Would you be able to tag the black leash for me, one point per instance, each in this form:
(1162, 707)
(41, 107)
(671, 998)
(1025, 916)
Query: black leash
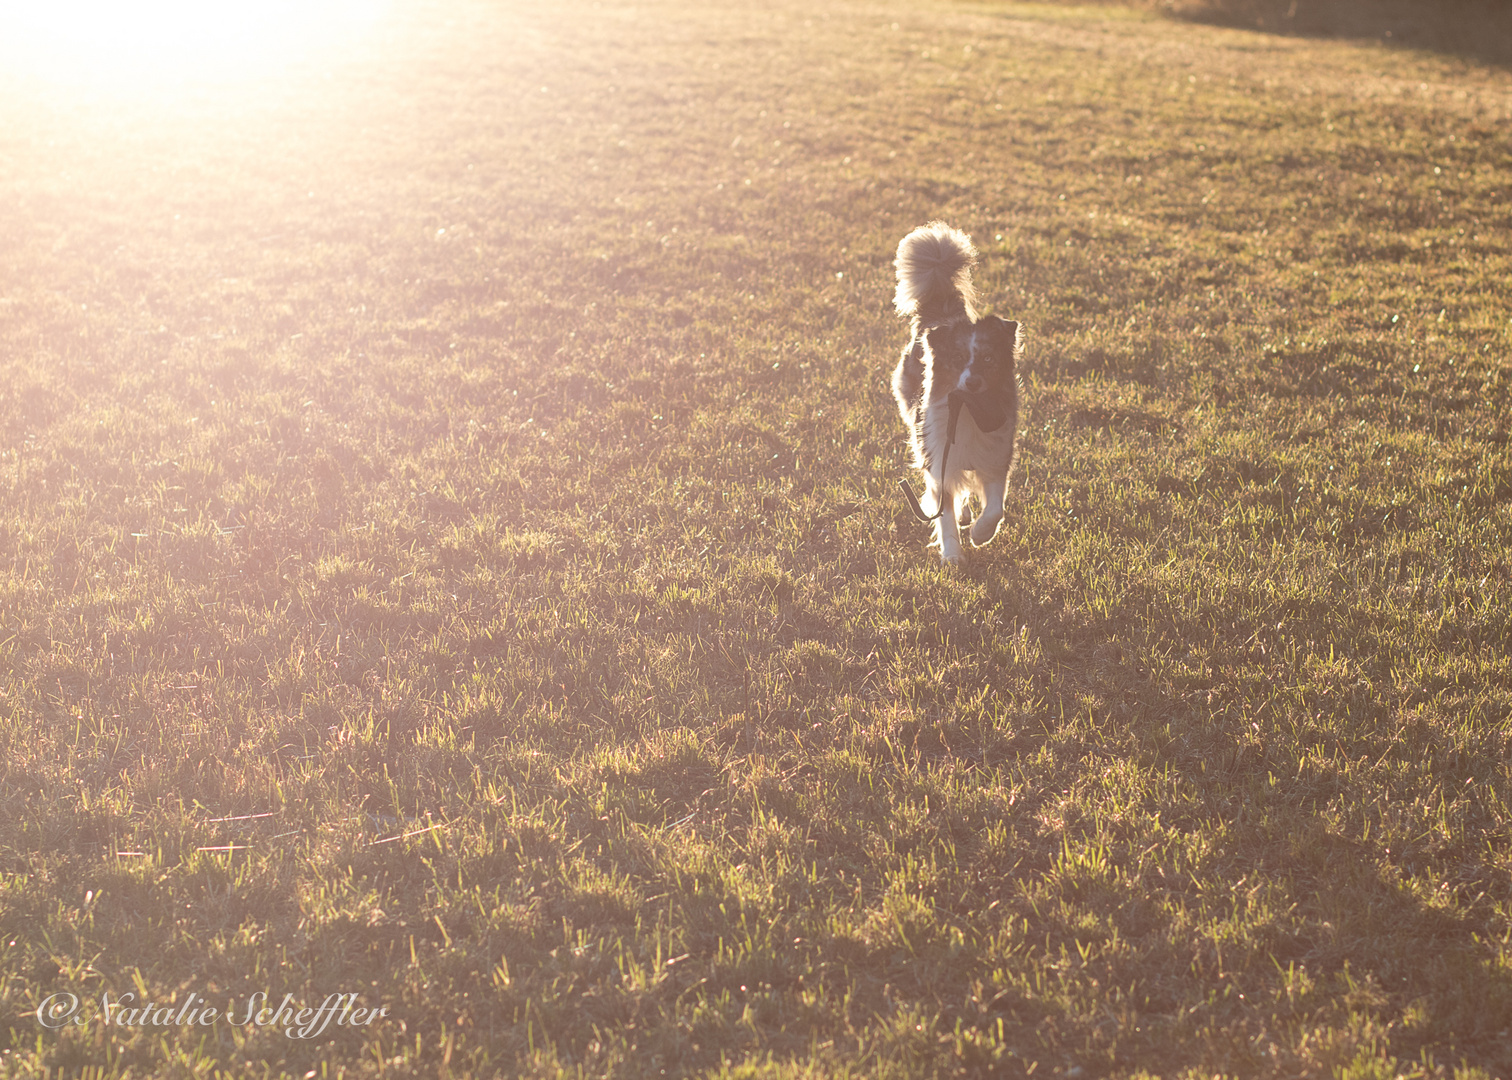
(956, 399)
(987, 419)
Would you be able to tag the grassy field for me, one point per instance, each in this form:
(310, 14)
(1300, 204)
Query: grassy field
(449, 554)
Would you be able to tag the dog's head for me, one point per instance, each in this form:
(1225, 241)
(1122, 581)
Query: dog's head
(977, 357)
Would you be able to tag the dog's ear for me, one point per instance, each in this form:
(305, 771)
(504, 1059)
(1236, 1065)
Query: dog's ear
(1006, 336)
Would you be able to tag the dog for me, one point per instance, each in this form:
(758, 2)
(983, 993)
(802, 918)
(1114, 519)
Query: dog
(956, 386)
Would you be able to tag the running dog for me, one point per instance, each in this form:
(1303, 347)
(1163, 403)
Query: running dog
(956, 386)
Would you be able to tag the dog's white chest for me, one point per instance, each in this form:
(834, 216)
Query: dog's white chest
(973, 450)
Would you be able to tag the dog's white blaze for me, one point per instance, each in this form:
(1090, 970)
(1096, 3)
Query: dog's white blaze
(970, 363)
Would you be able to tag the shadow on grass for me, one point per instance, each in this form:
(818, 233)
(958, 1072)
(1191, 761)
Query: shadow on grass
(1376, 927)
(1474, 29)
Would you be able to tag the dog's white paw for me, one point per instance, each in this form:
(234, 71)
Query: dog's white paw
(985, 528)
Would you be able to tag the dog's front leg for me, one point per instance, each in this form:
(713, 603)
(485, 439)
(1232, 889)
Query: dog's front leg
(986, 526)
(948, 531)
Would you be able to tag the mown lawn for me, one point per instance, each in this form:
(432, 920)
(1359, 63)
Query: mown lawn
(449, 553)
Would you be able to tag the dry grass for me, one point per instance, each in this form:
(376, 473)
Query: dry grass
(449, 554)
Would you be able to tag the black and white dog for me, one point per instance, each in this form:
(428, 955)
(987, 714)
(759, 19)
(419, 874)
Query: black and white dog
(956, 386)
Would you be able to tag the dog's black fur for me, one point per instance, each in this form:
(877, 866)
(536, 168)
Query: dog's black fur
(955, 362)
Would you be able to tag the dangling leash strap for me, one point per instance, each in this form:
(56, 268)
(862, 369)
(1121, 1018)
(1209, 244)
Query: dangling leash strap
(955, 400)
(987, 420)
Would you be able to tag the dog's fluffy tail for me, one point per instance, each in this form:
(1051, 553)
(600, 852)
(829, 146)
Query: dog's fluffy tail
(934, 273)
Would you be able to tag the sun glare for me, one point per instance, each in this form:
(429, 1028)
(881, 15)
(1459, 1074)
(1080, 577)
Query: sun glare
(153, 45)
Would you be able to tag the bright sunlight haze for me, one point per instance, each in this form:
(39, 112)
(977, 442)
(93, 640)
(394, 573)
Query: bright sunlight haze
(168, 45)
